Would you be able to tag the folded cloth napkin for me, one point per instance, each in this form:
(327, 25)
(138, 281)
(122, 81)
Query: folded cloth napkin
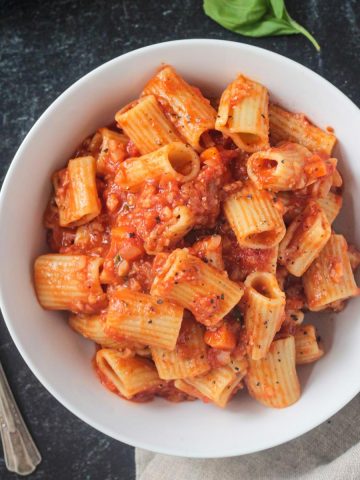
(329, 452)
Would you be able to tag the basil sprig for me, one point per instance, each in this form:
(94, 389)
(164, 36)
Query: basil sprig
(255, 18)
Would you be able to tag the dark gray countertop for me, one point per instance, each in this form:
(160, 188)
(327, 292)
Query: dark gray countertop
(44, 47)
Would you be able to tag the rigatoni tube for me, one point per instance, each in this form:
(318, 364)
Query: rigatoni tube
(191, 283)
(264, 313)
(69, 282)
(180, 223)
(307, 347)
(254, 217)
(305, 237)
(112, 150)
(331, 205)
(146, 124)
(126, 376)
(288, 167)
(243, 114)
(143, 318)
(92, 328)
(218, 385)
(177, 160)
(273, 380)
(188, 359)
(295, 127)
(76, 193)
(187, 108)
(330, 277)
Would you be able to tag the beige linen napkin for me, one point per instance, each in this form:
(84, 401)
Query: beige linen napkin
(329, 452)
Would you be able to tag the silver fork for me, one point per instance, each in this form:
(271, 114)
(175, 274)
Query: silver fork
(20, 452)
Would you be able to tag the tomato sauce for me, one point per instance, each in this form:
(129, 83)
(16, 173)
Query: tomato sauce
(239, 261)
(186, 347)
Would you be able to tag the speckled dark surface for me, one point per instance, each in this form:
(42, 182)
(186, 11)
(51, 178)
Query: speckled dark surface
(44, 47)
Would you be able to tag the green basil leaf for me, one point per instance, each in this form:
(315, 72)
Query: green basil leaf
(300, 29)
(234, 15)
(255, 18)
(278, 7)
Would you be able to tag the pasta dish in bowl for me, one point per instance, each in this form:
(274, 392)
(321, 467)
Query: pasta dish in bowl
(192, 239)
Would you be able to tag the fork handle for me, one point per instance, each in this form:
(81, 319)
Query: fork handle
(20, 452)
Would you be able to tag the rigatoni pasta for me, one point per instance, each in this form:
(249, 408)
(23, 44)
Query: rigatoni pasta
(146, 125)
(184, 221)
(289, 166)
(188, 109)
(76, 192)
(188, 359)
(307, 347)
(92, 327)
(330, 277)
(112, 151)
(331, 205)
(218, 385)
(126, 376)
(189, 238)
(305, 237)
(143, 318)
(295, 127)
(265, 306)
(177, 160)
(190, 282)
(69, 282)
(254, 217)
(273, 380)
(243, 114)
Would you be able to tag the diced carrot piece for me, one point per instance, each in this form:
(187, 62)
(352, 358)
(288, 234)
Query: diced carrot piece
(223, 338)
(211, 153)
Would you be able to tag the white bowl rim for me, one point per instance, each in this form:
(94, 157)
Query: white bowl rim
(6, 185)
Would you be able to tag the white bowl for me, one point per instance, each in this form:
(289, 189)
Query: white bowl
(61, 359)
